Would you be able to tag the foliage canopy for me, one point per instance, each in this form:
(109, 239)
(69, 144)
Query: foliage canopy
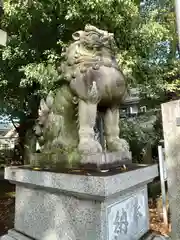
(145, 33)
(38, 29)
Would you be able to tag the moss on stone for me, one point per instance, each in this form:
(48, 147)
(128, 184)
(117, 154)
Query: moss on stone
(56, 159)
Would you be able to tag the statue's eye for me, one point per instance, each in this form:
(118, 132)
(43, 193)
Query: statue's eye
(95, 37)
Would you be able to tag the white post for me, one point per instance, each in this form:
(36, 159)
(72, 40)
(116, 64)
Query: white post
(163, 179)
(177, 5)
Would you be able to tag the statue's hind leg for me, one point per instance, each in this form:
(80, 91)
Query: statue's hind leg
(112, 130)
(87, 118)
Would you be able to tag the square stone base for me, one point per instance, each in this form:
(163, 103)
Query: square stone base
(14, 235)
(56, 206)
(154, 236)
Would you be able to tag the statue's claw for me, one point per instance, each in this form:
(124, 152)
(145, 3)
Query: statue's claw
(117, 144)
(89, 146)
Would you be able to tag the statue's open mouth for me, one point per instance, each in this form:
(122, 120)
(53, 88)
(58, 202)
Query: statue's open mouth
(37, 130)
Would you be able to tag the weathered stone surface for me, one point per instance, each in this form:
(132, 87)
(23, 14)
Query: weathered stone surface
(170, 115)
(128, 218)
(62, 206)
(14, 235)
(91, 82)
(102, 160)
(6, 237)
(99, 187)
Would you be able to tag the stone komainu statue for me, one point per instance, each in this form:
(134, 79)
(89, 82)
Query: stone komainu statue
(92, 80)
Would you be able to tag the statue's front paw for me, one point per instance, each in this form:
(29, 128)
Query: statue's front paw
(89, 146)
(117, 144)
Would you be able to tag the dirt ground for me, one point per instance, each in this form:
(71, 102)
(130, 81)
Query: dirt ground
(156, 217)
(7, 201)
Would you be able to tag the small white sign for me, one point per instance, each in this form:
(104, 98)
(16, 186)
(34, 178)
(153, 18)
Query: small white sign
(162, 163)
(3, 38)
(128, 219)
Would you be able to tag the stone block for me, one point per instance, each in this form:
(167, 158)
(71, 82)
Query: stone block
(171, 129)
(53, 206)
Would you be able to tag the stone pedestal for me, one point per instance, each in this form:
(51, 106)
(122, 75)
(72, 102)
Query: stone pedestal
(56, 206)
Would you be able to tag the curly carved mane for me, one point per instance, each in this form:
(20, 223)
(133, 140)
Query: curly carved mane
(91, 48)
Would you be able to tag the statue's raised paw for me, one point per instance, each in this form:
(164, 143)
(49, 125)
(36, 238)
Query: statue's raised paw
(89, 146)
(117, 144)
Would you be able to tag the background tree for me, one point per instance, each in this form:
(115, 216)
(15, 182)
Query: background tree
(39, 29)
